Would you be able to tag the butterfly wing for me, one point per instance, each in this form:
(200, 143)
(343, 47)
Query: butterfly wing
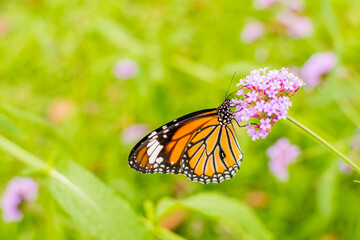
(213, 154)
(163, 149)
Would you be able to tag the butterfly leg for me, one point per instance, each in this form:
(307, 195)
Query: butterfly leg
(245, 124)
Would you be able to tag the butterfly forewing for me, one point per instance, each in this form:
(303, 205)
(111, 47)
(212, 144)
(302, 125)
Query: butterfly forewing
(162, 149)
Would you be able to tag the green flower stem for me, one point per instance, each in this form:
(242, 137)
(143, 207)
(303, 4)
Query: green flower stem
(324, 143)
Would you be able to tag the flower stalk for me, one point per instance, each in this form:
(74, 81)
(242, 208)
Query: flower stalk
(324, 143)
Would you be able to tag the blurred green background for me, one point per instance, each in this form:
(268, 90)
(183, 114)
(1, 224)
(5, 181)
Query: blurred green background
(60, 100)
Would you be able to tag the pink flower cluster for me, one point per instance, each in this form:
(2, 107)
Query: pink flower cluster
(266, 96)
(252, 31)
(281, 154)
(297, 26)
(318, 64)
(126, 69)
(263, 4)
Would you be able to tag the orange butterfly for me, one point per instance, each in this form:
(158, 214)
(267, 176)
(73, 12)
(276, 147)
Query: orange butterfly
(201, 145)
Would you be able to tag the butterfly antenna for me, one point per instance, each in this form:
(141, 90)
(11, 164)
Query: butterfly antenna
(229, 86)
(232, 93)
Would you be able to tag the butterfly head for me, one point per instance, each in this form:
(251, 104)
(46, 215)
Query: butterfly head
(224, 113)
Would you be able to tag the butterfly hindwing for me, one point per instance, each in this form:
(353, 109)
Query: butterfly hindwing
(162, 149)
(212, 155)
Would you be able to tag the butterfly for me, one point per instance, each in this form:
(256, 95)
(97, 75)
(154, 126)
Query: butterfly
(201, 145)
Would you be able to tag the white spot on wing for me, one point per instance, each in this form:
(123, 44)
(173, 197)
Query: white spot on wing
(152, 134)
(151, 143)
(155, 154)
(159, 160)
(152, 148)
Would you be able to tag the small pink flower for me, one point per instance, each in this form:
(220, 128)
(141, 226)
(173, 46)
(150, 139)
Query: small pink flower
(4, 26)
(240, 92)
(288, 85)
(297, 26)
(17, 191)
(294, 5)
(270, 108)
(262, 133)
(126, 69)
(272, 92)
(345, 168)
(134, 132)
(263, 4)
(266, 96)
(355, 144)
(252, 96)
(61, 110)
(281, 154)
(252, 31)
(265, 123)
(251, 132)
(318, 65)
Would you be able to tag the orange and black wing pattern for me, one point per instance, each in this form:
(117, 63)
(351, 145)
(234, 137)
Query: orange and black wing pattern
(201, 145)
(162, 150)
(212, 155)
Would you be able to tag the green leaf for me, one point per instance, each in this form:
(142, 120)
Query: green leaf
(165, 206)
(93, 205)
(25, 116)
(222, 208)
(7, 125)
(123, 188)
(326, 190)
(28, 117)
(165, 234)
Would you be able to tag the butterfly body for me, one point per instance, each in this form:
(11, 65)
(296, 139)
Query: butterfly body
(201, 145)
